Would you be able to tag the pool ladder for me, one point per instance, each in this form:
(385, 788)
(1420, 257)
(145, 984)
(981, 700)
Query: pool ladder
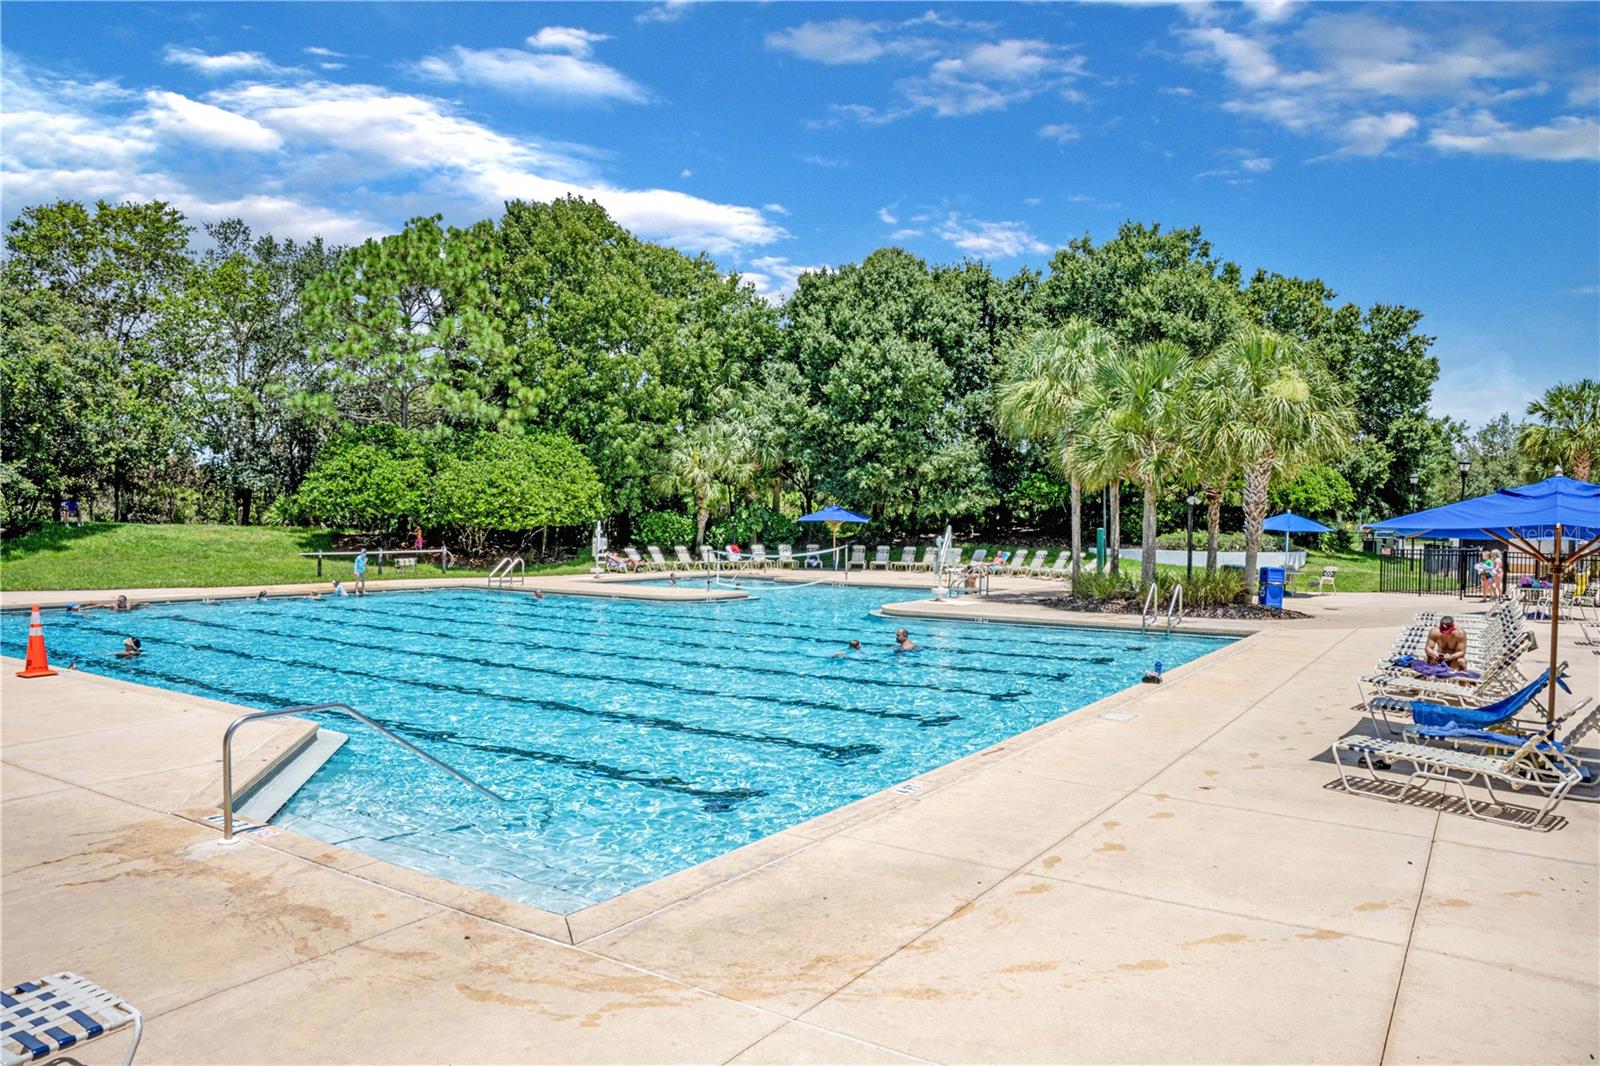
(342, 708)
(1148, 613)
(508, 570)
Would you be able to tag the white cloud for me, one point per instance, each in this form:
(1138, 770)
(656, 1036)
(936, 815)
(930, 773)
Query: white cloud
(1368, 84)
(229, 64)
(776, 209)
(543, 73)
(905, 234)
(834, 42)
(685, 173)
(566, 39)
(886, 216)
(1060, 132)
(826, 161)
(1371, 134)
(774, 277)
(324, 53)
(175, 114)
(990, 240)
(670, 11)
(1255, 164)
(1565, 138)
(68, 139)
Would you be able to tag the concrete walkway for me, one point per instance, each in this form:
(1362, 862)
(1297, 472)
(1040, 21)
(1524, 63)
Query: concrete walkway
(1165, 876)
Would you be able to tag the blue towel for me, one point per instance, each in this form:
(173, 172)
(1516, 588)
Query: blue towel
(1433, 714)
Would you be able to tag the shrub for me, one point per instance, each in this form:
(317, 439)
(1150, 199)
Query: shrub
(1222, 585)
(512, 483)
(1226, 542)
(755, 524)
(371, 479)
(664, 529)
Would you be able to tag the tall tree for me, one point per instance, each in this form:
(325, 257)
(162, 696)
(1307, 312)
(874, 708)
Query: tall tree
(1567, 430)
(1130, 426)
(1273, 405)
(705, 465)
(1044, 380)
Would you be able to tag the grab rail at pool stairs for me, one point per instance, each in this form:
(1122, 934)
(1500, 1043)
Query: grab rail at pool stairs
(1175, 607)
(342, 708)
(503, 571)
(1147, 613)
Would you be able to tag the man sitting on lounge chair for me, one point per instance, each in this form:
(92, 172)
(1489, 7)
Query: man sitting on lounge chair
(1447, 645)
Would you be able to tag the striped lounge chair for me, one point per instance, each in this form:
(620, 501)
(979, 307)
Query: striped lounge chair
(42, 1018)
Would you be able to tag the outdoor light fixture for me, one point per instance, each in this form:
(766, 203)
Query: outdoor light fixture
(1465, 465)
(1188, 532)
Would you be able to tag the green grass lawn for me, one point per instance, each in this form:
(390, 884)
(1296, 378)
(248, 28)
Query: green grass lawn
(108, 555)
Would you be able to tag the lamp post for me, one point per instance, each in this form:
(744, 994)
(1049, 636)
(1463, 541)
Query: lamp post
(1188, 532)
(1464, 466)
(1413, 480)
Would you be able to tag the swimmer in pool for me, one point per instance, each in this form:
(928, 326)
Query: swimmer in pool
(854, 646)
(130, 648)
(902, 641)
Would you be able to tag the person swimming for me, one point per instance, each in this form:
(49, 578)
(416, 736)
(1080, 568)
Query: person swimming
(853, 646)
(130, 648)
(903, 641)
(261, 597)
(538, 594)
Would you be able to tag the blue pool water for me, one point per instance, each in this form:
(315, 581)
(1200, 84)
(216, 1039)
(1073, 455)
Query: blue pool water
(631, 739)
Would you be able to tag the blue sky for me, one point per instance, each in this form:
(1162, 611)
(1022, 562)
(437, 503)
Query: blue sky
(1438, 155)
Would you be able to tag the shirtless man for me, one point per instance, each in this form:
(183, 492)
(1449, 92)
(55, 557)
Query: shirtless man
(1447, 645)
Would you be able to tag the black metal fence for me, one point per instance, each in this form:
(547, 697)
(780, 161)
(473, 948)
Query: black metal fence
(1451, 571)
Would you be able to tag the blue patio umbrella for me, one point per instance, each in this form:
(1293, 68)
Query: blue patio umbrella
(1289, 522)
(835, 517)
(1557, 509)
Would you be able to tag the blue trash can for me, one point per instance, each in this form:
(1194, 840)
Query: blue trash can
(1270, 585)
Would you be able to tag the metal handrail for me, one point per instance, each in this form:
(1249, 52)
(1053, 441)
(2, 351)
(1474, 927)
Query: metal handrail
(502, 571)
(1147, 613)
(1175, 604)
(342, 708)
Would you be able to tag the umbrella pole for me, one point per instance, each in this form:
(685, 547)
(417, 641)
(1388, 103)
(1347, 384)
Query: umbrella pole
(1555, 627)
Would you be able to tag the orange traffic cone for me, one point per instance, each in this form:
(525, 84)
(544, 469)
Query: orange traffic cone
(38, 664)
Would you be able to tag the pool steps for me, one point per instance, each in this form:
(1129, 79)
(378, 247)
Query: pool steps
(268, 796)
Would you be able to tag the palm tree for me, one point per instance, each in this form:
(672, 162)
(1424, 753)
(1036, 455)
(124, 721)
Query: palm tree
(1044, 378)
(1129, 426)
(1272, 405)
(1213, 470)
(1568, 430)
(705, 464)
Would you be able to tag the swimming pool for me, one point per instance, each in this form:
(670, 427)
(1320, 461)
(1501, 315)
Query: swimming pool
(631, 739)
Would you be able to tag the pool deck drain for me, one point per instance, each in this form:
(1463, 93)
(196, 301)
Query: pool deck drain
(1179, 885)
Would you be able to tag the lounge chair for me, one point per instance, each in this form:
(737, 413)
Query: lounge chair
(1059, 568)
(1449, 766)
(979, 556)
(1498, 675)
(1428, 713)
(930, 556)
(858, 556)
(635, 560)
(657, 560)
(708, 558)
(1035, 565)
(812, 558)
(785, 555)
(881, 557)
(1554, 756)
(952, 558)
(685, 560)
(1326, 583)
(45, 1017)
(758, 556)
(907, 560)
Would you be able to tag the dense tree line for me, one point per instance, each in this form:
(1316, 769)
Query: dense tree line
(156, 372)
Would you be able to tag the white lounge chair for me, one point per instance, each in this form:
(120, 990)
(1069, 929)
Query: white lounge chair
(930, 556)
(45, 1017)
(657, 560)
(635, 560)
(785, 555)
(1449, 766)
(907, 560)
(1034, 565)
(685, 560)
(758, 556)
(978, 556)
(858, 556)
(1059, 568)
(812, 558)
(880, 557)
(708, 558)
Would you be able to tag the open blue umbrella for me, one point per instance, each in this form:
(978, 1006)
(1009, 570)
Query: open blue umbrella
(1557, 509)
(1289, 522)
(835, 517)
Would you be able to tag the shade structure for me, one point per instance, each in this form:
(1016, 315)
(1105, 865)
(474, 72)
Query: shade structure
(1557, 509)
(832, 513)
(1289, 522)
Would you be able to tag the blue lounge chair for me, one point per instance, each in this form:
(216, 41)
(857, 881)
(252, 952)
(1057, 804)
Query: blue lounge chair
(39, 1019)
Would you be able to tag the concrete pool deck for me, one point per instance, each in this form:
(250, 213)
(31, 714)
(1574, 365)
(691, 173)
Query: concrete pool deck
(1164, 876)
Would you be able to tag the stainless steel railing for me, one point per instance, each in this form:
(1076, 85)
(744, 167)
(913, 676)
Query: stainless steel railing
(342, 708)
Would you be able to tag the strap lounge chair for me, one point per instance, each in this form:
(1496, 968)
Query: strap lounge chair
(685, 560)
(785, 555)
(708, 558)
(812, 558)
(634, 558)
(1036, 564)
(1555, 756)
(657, 560)
(930, 557)
(1059, 568)
(758, 556)
(858, 556)
(881, 557)
(979, 556)
(1496, 677)
(1448, 766)
(45, 1017)
(1499, 712)
(907, 560)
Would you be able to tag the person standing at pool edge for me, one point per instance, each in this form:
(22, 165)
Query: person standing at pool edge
(361, 573)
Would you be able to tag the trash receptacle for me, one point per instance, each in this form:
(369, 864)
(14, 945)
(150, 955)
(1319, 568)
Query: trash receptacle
(1270, 584)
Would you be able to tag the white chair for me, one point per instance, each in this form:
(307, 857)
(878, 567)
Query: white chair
(758, 556)
(1325, 583)
(908, 558)
(785, 555)
(657, 560)
(858, 556)
(685, 560)
(881, 557)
